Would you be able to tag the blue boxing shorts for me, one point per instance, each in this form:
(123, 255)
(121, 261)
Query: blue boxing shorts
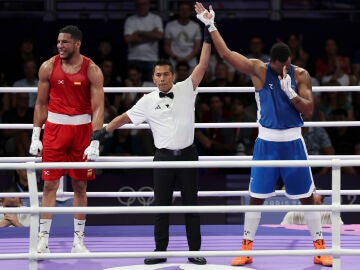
(298, 181)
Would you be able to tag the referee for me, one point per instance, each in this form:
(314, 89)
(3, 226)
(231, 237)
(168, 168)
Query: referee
(170, 112)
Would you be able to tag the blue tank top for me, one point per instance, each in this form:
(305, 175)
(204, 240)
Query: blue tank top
(275, 109)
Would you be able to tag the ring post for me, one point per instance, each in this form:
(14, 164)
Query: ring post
(34, 218)
(336, 201)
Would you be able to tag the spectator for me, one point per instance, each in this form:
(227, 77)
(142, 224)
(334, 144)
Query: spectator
(20, 184)
(355, 65)
(13, 220)
(142, 32)
(210, 73)
(4, 97)
(297, 51)
(220, 79)
(332, 100)
(26, 51)
(221, 75)
(317, 142)
(345, 139)
(183, 37)
(134, 79)
(256, 51)
(111, 79)
(30, 79)
(243, 137)
(356, 105)
(182, 70)
(214, 141)
(104, 51)
(17, 141)
(330, 59)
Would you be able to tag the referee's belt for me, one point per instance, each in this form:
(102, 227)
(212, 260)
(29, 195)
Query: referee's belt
(177, 152)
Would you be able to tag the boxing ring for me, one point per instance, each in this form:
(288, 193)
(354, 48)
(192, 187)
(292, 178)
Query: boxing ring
(124, 247)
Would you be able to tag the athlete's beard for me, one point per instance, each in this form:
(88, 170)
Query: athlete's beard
(69, 56)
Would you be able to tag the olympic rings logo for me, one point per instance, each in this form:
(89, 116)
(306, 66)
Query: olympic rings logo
(127, 201)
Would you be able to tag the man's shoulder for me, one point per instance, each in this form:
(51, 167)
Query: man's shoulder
(147, 97)
(154, 15)
(300, 70)
(49, 63)
(172, 23)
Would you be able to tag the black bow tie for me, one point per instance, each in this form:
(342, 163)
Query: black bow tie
(169, 95)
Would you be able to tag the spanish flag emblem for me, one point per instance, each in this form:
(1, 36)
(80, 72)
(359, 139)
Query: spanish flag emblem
(77, 83)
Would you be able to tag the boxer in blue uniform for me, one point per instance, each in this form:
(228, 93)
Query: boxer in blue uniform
(283, 93)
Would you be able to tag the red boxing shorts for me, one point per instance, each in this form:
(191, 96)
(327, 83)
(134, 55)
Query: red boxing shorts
(66, 143)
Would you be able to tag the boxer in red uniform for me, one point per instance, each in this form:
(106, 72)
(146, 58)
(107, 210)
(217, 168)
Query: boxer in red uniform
(70, 102)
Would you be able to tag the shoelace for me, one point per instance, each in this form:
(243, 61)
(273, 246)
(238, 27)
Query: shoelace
(80, 235)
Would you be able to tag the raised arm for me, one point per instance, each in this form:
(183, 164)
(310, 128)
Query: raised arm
(237, 60)
(200, 69)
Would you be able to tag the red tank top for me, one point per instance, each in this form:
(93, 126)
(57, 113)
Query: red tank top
(70, 93)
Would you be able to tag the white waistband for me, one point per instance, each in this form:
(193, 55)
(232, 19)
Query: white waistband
(279, 135)
(64, 119)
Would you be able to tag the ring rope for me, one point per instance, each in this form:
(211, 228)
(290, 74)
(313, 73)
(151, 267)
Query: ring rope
(180, 209)
(159, 254)
(180, 164)
(135, 194)
(210, 125)
(201, 89)
(201, 158)
(336, 206)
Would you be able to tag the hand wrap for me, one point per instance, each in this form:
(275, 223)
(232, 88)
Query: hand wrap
(286, 87)
(36, 145)
(205, 18)
(92, 151)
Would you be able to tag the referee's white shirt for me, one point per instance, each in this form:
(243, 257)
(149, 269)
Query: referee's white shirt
(172, 121)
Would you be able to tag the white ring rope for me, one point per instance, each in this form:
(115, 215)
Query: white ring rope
(210, 125)
(201, 158)
(201, 89)
(180, 209)
(158, 254)
(215, 158)
(335, 162)
(180, 164)
(135, 194)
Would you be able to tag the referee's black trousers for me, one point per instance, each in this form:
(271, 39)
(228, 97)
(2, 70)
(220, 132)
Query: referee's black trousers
(165, 180)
